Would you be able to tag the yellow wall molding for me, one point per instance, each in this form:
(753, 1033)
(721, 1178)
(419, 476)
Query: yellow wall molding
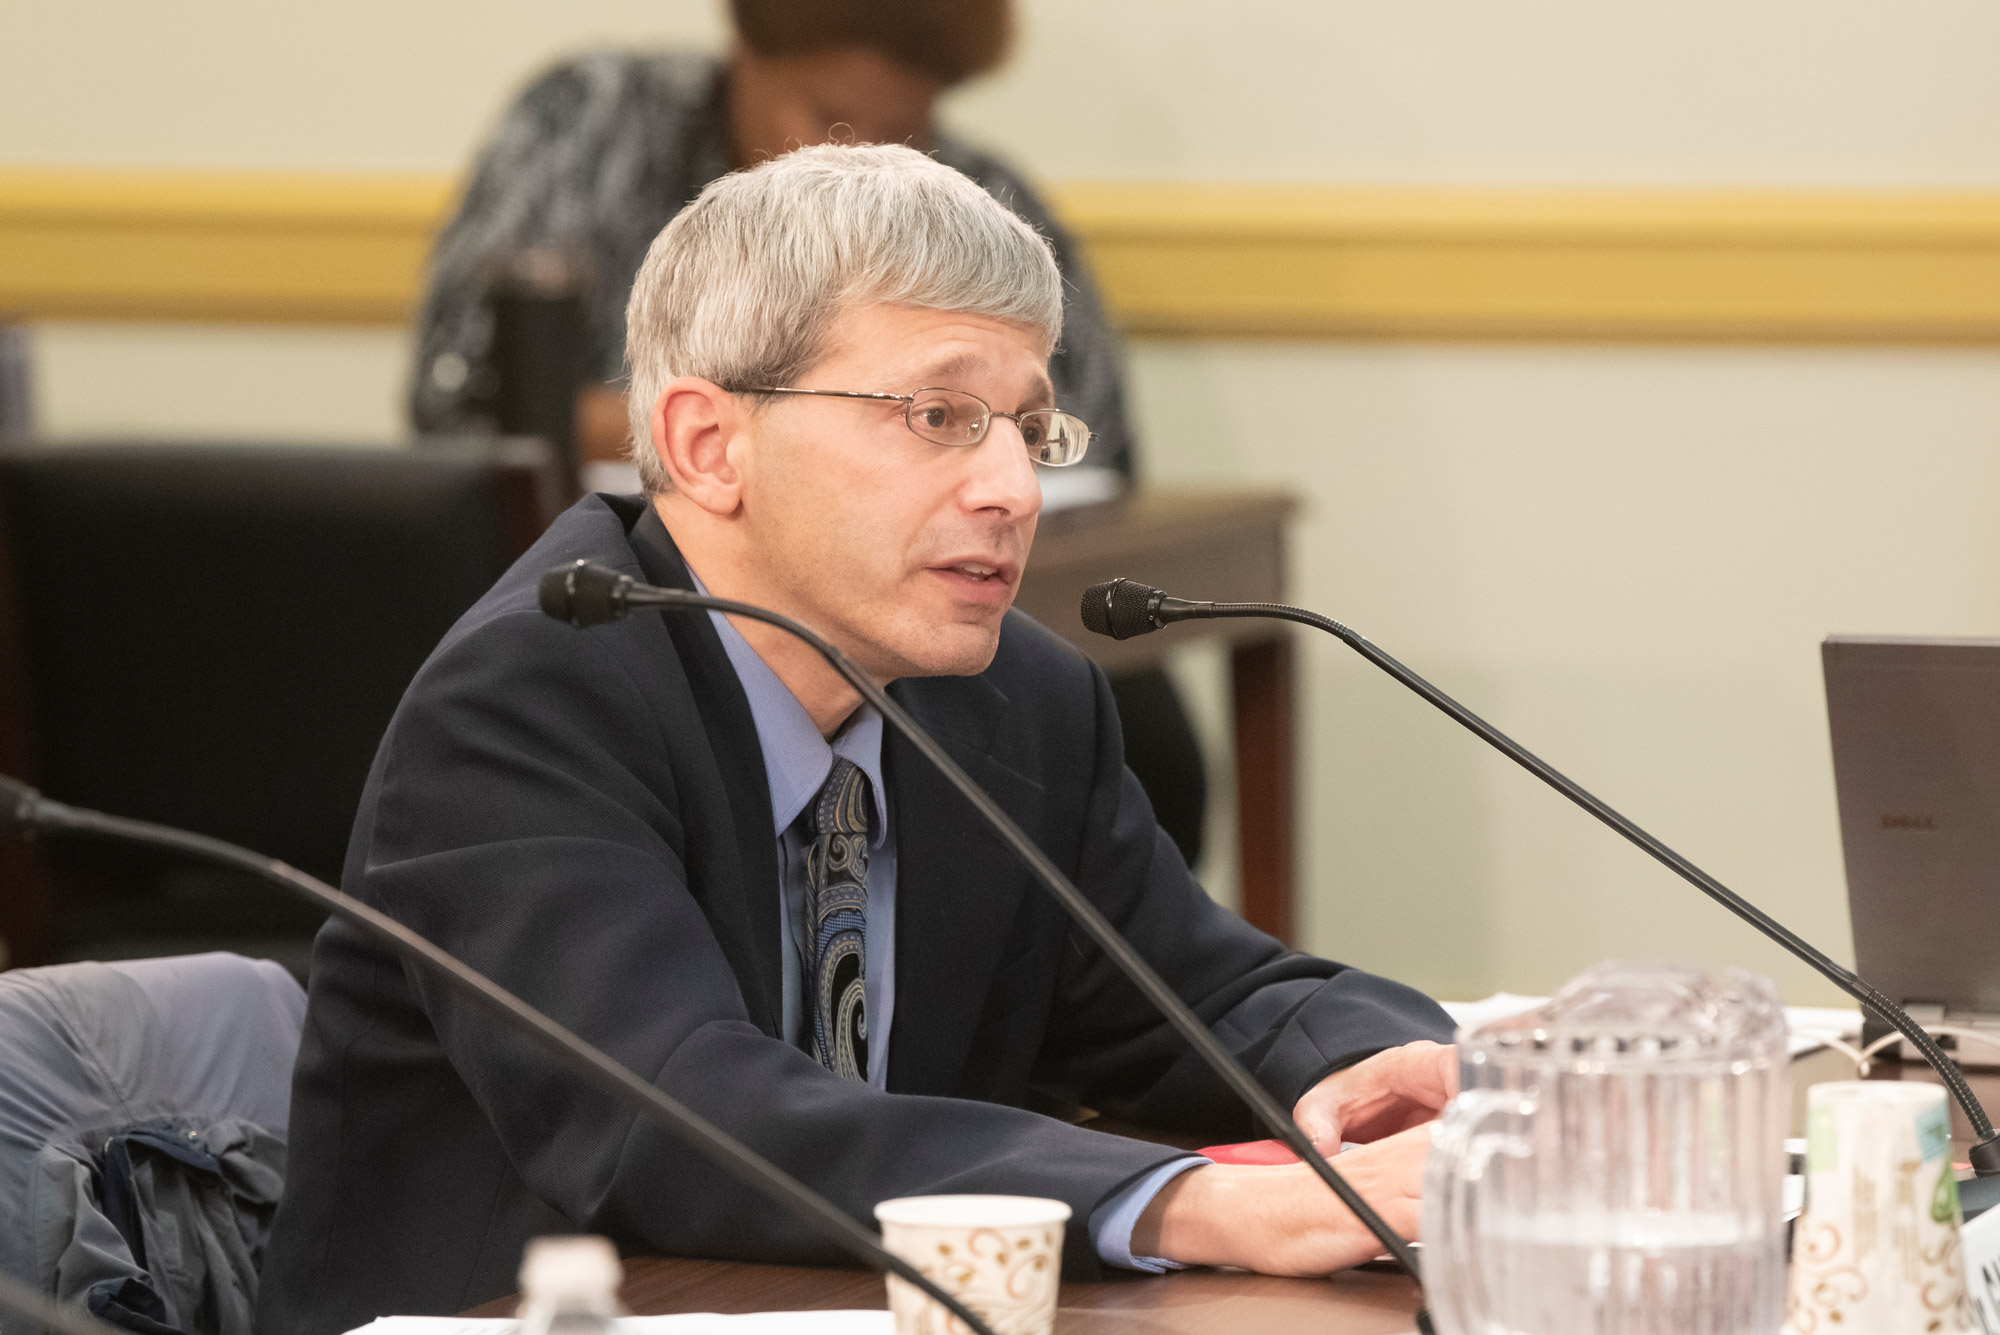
(215, 245)
(1183, 260)
(1513, 263)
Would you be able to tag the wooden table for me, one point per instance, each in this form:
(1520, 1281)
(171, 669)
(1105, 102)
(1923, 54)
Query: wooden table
(1363, 1302)
(1355, 1302)
(1221, 544)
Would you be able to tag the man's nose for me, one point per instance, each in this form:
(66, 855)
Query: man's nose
(1003, 476)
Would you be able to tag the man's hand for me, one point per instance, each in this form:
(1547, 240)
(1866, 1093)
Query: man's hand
(1283, 1220)
(1389, 1092)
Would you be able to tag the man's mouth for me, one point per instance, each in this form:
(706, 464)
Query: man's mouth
(981, 581)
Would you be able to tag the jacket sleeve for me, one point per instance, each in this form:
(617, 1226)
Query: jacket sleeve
(1289, 1017)
(537, 807)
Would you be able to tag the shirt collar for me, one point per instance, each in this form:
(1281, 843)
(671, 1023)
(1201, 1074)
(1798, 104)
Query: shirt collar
(797, 759)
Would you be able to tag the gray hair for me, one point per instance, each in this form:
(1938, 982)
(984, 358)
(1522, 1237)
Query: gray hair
(743, 285)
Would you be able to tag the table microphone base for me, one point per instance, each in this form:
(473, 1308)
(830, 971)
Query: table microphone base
(1977, 1195)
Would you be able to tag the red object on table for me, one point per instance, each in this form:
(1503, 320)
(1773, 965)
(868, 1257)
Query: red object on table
(1251, 1151)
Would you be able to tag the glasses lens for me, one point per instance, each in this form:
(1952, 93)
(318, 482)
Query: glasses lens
(1056, 439)
(947, 416)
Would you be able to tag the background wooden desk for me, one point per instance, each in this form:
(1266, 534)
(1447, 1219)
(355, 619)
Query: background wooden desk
(1218, 544)
(1352, 1303)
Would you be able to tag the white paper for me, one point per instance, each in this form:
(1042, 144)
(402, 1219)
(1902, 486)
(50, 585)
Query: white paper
(839, 1322)
(1469, 1014)
(615, 476)
(1086, 484)
(1810, 1026)
(1981, 1240)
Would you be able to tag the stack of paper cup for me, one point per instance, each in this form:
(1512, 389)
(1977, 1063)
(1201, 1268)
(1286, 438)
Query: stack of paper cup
(1877, 1248)
(999, 1255)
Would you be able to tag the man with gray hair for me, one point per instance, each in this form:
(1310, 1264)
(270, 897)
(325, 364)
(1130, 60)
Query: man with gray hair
(686, 838)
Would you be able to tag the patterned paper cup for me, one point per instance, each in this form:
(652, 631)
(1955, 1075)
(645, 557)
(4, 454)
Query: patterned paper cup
(1877, 1250)
(999, 1255)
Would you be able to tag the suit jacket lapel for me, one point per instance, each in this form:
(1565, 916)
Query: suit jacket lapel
(958, 889)
(748, 925)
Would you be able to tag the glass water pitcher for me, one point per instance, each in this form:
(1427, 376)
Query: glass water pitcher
(1614, 1161)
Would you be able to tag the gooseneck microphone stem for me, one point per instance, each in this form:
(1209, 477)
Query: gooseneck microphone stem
(1124, 608)
(587, 594)
(21, 807)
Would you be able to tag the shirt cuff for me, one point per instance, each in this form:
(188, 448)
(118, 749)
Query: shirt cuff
(1112, 1222)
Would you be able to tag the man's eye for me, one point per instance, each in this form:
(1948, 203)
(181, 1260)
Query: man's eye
(935, 416)
(1034, 431)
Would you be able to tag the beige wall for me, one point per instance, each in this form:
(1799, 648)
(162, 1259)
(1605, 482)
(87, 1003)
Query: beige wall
(1626, 556)
(249, 382)
(1661, 91)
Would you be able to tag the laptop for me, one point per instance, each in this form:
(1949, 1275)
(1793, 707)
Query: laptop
(1916, 761)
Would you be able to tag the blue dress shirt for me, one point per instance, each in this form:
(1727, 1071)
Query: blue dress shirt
(797, 761)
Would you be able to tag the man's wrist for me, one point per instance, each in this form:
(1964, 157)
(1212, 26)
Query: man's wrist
(1181, 1223)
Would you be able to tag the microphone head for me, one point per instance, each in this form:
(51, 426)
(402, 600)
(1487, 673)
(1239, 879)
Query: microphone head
(584, 593)
(1120, 608)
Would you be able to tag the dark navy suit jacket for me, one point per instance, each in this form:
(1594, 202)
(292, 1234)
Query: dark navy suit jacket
(583, 816)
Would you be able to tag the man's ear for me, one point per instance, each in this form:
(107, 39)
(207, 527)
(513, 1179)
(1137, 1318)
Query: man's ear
(699, 431)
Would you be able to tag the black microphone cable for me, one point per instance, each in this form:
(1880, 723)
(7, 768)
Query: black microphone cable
(1123, 608)
(586, 594)
(26, 811)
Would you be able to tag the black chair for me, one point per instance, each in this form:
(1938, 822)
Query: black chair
(214, 637)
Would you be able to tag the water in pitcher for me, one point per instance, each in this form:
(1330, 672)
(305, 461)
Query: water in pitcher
(1612, 1163)
(1632, 1274)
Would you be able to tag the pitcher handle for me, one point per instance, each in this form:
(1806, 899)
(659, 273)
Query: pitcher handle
(1475, 1126)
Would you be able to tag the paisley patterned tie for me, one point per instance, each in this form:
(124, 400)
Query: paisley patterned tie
(837, 911)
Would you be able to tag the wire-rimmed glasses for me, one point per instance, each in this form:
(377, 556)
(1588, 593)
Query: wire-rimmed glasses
(954, 417)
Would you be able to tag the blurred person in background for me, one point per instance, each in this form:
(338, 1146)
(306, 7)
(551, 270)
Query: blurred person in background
(599, 153)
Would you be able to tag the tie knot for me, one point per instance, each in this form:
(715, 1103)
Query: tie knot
(842, 804)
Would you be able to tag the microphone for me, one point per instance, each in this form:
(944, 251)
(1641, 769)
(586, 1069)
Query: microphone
(25, 811)
(587, 594)
(1123, 608)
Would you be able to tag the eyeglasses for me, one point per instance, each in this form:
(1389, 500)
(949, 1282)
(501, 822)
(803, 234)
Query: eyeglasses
(954, 417)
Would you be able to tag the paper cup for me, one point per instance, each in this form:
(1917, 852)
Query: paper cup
(999, 1255)
(1877, 1249)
